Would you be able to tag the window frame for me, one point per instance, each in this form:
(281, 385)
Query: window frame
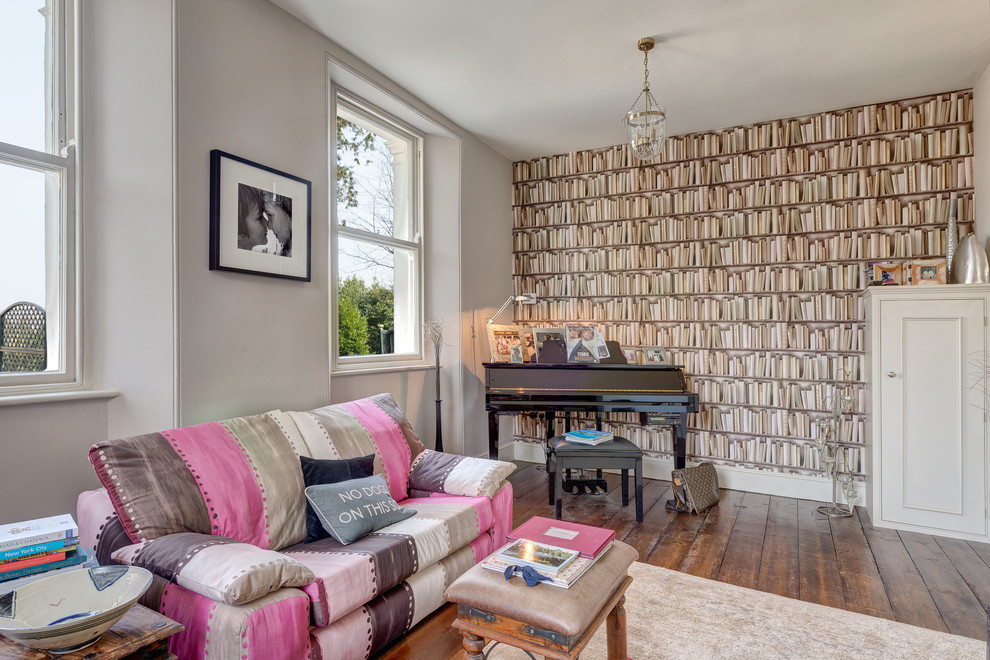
(392, 361)
(61, 159)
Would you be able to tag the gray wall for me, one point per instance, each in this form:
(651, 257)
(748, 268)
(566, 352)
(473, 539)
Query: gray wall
(252, 82)
(164, 84)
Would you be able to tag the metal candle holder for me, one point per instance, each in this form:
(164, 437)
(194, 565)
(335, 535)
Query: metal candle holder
(840, 403)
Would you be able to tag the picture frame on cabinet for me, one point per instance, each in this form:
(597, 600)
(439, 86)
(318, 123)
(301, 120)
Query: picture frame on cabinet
(260, 219)
(928, 271)
(655, 356)
(631, 355)
(886, 273)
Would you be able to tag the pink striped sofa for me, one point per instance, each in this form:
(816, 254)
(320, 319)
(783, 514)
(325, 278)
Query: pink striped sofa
(217, 512)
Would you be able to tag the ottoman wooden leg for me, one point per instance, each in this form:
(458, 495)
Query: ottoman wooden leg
(474, 645)
(615, 631)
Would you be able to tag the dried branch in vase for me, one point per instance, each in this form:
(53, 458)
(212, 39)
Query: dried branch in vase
(434, 330)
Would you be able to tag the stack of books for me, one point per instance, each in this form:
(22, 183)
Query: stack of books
(589, 436)
(557, 549)
(36, 546)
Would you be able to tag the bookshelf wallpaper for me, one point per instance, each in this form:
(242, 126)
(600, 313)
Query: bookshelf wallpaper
(743, 253)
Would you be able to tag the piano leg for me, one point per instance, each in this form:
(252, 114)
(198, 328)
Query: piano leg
(680, 442)
(548, 450)
(493, 435)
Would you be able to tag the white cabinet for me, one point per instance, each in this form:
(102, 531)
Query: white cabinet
(928, 427)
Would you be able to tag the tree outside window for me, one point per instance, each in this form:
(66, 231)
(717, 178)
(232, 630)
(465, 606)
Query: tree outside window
(378, 236)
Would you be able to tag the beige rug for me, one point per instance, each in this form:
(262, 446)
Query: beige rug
(674, 615)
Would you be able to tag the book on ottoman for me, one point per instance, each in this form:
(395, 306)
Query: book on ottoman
(565, 577)
(588, 541)
(538, 555)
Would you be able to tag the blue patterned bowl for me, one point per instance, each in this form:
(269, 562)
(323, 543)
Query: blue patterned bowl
(71, 610)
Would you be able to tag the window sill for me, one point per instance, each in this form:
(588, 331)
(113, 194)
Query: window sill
(366, 369)
(26, 397)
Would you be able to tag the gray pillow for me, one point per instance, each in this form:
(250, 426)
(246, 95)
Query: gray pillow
(351, 509)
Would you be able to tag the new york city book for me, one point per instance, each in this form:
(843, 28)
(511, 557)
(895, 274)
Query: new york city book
(33, 532)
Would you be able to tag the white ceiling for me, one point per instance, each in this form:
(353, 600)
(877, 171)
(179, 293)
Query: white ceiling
(540, 77)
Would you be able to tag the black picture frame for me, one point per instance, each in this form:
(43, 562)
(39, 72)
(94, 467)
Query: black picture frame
(260, 219)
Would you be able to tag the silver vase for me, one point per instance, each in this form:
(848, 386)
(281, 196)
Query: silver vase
(951, 238)
(969, 265)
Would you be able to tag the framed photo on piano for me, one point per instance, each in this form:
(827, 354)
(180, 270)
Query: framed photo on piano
(582, 343)
(553, 340)
(656, 356)
(506, 343)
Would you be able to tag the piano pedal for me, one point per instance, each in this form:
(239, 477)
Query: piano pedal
(596, 487)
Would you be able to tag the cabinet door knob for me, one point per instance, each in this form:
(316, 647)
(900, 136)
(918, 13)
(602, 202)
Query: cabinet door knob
(890, 374)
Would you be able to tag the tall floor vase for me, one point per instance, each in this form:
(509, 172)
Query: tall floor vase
(439, 444)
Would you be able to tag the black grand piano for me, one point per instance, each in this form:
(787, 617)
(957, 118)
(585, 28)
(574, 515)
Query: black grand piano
(658, 393)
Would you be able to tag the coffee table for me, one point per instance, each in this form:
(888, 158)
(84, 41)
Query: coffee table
(618, 453)
(544, 619)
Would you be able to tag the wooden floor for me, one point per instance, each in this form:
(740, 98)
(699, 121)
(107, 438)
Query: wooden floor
(775, 544)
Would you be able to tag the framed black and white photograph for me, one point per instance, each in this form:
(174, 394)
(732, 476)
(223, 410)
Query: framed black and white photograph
(656, 356)
(259, 219)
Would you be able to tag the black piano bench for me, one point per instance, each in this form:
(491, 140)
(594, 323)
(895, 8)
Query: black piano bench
(619, 454)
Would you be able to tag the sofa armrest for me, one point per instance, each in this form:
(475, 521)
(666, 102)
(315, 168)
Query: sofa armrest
(100, 530)
(437, 472)
(217, 567)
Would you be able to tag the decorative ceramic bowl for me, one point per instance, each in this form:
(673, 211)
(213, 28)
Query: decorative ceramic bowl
(69, 611)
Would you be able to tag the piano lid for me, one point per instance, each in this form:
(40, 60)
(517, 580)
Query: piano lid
(578, 379)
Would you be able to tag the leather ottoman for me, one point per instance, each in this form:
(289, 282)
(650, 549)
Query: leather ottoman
(545, 619)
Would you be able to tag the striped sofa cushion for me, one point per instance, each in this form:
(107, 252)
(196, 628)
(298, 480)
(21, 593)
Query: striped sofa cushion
(374, 425)
(354, 574)
(239, 478)
(217, 567)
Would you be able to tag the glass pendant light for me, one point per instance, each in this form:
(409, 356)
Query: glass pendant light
(646, 118)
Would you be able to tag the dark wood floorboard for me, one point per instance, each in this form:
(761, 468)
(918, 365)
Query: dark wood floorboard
(744, 552)
(704, 557)
(906, 590)
(776, 544)
(819, 569)
(971, 567)
(779, 569)
(956, 602)
(862, 585)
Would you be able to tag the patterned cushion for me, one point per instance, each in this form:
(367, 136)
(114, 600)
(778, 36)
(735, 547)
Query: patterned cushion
(318, 471)
(366, 630)
(355, 508)
(457, 475)
(383, 559)
(239, 478)
(375, 425)
(217, 567)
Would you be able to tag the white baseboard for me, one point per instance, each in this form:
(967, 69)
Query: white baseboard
(798, 486)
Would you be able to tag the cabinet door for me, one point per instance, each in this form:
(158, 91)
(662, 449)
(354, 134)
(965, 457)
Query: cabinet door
(932, 427)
